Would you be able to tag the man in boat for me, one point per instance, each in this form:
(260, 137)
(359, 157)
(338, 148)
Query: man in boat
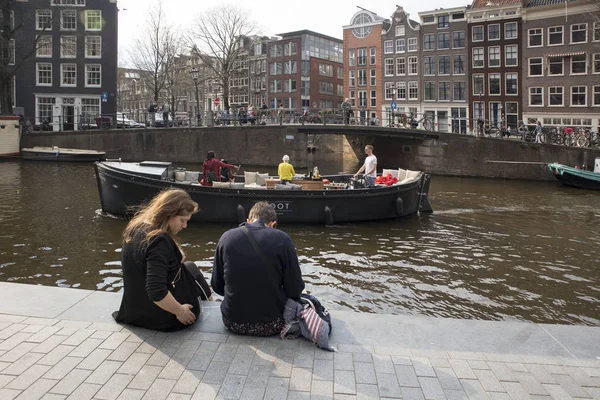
(211, 169)
(370, 167)
(256, 270)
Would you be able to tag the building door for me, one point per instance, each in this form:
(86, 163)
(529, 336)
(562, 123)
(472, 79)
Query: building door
(459, 120)
(442, 121)
(68, 117)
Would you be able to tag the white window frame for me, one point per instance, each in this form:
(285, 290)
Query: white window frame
(584, 30)
(495, 74)
(585, 96)
(506, 24)
(400, 49)
(87, 72)
(413, 85)
(401, 88)
(464, 71)
(63, 45)
(37, 74)
(499, 33)
(529, 67)
(398, 64)
(86, 46)
(427, 61)
(562, 104)
(482, 76)
(595, 89)
(38, 15)
(388, 47)
(62, 74)
(11, 52)
(389, 90)
(499, 58)
(473, 33)
(506, 83)
(506, 64)
(482, 57)
(400, 30)
(596, 61)
(448, 86)
(87, 27)
(541, 94)
(44, 42)
(439, 65)
(595, 29)
(428, 85)
(434, 42)
(579, 73)
(62, 21)
(389, 63)
(562, 35)
(464, 39)
(562, 60)
(541, 34)
(412, 42)
(413, 60)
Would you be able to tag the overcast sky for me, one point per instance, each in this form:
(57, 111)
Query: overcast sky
(272, 16)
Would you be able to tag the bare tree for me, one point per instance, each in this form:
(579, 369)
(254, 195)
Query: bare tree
(217, 37)
(155, 51)
(10, 60)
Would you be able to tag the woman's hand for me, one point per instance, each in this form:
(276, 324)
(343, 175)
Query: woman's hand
(185, 314)
(211, 298)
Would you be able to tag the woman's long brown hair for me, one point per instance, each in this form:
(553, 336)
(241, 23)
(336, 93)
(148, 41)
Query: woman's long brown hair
(153, 218)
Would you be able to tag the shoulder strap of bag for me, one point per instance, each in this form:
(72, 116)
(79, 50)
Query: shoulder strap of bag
(257, 249)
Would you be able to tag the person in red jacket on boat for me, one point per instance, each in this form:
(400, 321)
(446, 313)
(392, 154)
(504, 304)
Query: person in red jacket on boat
(211, 169)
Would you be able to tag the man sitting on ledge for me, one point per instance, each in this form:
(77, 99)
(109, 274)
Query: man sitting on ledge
(256, 271)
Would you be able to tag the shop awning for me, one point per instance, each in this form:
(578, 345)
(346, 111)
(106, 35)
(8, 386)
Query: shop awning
(574, 53)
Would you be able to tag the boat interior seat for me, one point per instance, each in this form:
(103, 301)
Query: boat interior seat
(222, 184)
(192, 176)
(392, 172)
(401, 174)
(289, 186)
(412, 174)
(254, 186)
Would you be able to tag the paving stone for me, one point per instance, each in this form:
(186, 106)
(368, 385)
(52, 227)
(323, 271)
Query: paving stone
(410, 393)
(199, 362)
(343, 361)
(355, 348)
(232, 386)
(423, 367)
(160, 389)
(502, 372)
(540, 373)
(14, 340)
(133, 364)
(292, 395)
(65, 323)
(478, 364)
(253, 393)
(40, 321)
(593, 372)
(582, 377)
(145, 377)
(131, 394)
(13, 319)
(104, 327)
(93, 360)
(85, 391)
(100, 334)
(9, 394)
(466, 355)
(503, 357)
(556, 369)
(277, 388)
(392, 351)
(114, 341)
(366, 391)
(462, 369)
(206, 391)
(147, 348)
(365, 373)
(304, 359)
(172, 370)
(43, 334)
(186, 350)
(499, 396)
(324, 355)
(113, 388)
(488, 380)
(86, 347)
(258, 376)
(516, 367)
(28, 377)
(11, 330)
(456, 395)
(188, 382)
(406, 375)
(51, 396)
(594, 392)
(383, 364)
(282, 368)
(431, 388)
(103, 373)
(216, 372)
(241, 364)
(29, 328)
(22, 364)
(473, 389)
(323, 370)
(448, 380)
(67, 332)
(440, 362)
(570, 386)
(344, 382)
(5, 379)
(17, 352)
(49, 344)
(37, 390)
(123, 352)
(530, 384)
(402, 360)
(62, 368)
(388, 385)
(161, 357)
(226, 352)
(69, 383)
(3, 364)
(516, 390)
(557, 392)
(179, 396)
(56, 355)
(210, 337)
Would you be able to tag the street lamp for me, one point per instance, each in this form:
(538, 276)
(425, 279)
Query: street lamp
(195, 74)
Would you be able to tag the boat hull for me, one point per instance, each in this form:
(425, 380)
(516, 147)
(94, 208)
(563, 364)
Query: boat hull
(62, 154)
(575, 177)
(121, 190)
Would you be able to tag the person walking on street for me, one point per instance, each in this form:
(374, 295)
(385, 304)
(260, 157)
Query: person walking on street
(539, 132)
(152, 112)
(165, 111)
(370, 167)
(281, 113)
(346, 110)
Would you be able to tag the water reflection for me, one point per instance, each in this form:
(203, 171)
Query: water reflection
(493, 250)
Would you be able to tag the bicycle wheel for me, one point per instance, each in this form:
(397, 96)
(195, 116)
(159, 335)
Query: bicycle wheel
(569, 140)
(427, 125)
(582, 141)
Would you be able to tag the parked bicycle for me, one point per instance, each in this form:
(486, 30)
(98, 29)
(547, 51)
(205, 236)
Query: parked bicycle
(425, 121)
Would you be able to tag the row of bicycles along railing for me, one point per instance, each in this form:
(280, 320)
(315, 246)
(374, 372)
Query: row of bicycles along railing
(562, 136)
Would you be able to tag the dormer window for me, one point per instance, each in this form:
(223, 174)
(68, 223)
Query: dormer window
(362, 18)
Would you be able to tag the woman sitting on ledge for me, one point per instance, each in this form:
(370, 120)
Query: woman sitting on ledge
(161, 289)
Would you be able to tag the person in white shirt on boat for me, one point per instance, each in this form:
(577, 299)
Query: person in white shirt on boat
(370, 167)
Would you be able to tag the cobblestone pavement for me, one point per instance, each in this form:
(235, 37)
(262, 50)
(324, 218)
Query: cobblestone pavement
(56, 358)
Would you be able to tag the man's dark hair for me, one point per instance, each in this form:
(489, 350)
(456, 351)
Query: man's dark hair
(263, 210)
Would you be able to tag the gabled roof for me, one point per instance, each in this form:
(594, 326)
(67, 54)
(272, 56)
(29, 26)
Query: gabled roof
(541, 3)
(493, 3)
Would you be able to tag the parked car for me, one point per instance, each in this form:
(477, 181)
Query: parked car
(158, 120)
(123, 122)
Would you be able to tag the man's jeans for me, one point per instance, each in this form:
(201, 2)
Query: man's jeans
(369, 181)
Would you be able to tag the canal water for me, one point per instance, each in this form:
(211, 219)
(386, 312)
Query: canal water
(493, 249)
